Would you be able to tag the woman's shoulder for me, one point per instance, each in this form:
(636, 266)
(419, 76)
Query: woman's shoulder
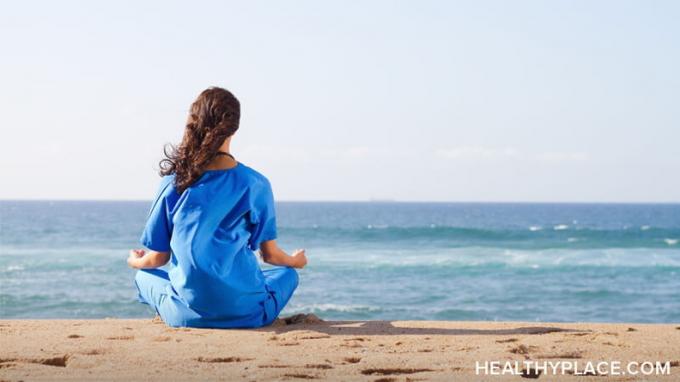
(167, 185)
(254, 177)
(167, 180)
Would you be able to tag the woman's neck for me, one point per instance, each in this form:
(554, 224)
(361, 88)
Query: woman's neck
(223, 162)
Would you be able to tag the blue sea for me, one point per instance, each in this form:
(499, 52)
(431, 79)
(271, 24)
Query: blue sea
(376, 260)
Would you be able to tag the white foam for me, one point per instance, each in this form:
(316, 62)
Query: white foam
(560, 227)
(377, 226)
(572, 239)
(484, 256)
(644, 228)
(336, 307)
(535, 228)
(671, 241)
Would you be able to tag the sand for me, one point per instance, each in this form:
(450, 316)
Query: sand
(116, 349)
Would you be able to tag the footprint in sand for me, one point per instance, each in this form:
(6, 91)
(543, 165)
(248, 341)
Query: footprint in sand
(74, 336)
(318, 366)
(300, 335)
(162, 339)
(352, 344)
(507, 340)
(60, 361)
(93, 352)
(122, 338)
(300, 375)
(468, 348)
(393, 371)
(360, 339)
(523, 349)
(313, 336)
(223, 359)
(352, 359)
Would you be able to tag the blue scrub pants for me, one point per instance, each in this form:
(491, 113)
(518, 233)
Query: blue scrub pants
(153, 284)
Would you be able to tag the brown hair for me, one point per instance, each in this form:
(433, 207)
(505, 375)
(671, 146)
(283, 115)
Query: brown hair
(213, 117)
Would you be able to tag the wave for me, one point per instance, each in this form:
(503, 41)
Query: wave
(561, 236)
(330, 308)
(481, 258)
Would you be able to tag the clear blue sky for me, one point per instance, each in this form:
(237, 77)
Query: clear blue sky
(350, 100)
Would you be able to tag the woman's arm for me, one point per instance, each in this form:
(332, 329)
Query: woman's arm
(272, 254)
(138, 259)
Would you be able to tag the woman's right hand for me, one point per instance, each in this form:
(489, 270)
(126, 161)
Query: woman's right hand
(299, 259)
(134, 256)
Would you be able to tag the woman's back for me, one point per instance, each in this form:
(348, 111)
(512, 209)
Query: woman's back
(211, 230)
(209, 214)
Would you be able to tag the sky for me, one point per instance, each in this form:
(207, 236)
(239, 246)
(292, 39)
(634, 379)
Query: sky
(515, 101)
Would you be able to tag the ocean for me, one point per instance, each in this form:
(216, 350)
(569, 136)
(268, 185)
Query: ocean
(376, 260)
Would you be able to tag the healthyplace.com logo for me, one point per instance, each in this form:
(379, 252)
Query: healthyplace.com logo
(529, 368)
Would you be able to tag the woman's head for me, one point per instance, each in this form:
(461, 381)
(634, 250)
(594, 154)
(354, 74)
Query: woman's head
(213, 117)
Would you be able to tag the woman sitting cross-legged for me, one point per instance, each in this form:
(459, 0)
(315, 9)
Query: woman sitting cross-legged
(210, 213)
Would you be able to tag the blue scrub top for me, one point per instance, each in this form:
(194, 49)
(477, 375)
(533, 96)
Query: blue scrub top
(211, 231)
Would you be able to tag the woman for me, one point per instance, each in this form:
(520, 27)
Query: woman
(209, 215)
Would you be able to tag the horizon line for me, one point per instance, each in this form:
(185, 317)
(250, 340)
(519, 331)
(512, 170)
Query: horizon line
(377, 201)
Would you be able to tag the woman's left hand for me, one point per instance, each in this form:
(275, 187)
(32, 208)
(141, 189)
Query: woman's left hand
(135, 255)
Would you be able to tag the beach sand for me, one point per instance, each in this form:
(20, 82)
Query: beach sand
(118, 349)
